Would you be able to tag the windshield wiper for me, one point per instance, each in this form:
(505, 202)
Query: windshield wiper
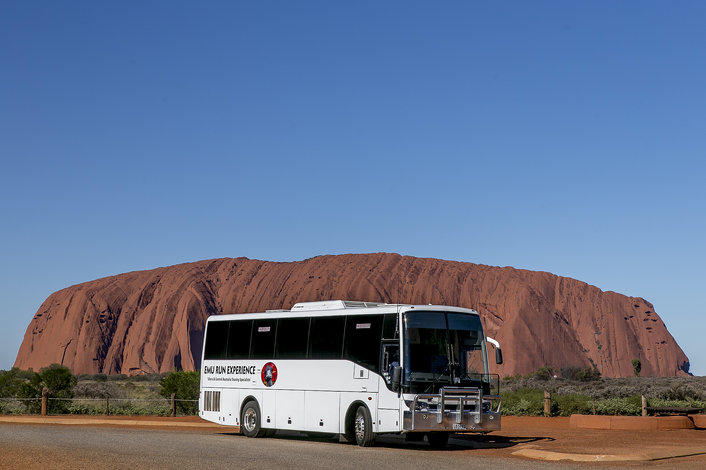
(436, 379)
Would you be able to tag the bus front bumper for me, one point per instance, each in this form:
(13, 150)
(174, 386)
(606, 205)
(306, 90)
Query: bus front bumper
(453, 409)
(451, 421)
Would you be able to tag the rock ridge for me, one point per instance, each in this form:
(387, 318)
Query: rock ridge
(153, 321)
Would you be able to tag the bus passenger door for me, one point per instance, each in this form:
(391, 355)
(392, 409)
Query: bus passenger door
(388, 400)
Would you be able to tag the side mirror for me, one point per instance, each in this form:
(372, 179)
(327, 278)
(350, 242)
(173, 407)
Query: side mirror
(498, 352)
(396, 378)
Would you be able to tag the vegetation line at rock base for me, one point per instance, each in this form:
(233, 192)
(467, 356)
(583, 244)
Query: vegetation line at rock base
(573, 391)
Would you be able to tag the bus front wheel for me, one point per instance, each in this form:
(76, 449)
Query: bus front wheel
(250, 420)
(363, 427)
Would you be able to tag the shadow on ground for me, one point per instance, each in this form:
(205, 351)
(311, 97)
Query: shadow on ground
(457, 442)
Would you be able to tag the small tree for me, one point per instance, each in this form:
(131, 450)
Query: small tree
(10, 382)
(588, 374)
(58, 380)
(636, 367)
(185, 386)
(544, 373)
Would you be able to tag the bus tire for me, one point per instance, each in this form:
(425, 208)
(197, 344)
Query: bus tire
(363, 427)
(438, 440)
(250, 419)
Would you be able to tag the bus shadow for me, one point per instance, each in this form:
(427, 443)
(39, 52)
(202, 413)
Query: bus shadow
(457, 442)
(461, 442)
(490, 441)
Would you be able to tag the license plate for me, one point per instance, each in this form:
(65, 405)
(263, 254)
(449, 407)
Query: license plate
(458, 426)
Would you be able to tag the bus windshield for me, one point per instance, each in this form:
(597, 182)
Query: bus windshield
(443, 348)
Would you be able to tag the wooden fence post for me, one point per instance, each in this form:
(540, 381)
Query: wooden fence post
(173, 405)
(644, 406)
(547, 403)
(45, 399)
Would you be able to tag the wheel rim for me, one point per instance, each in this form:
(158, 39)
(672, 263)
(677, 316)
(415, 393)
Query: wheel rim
(359, 426)
(249, 419)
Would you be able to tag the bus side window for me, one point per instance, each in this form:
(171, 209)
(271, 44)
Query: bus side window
(362, 341)
(263, 339)
(216, 340)
(239, 339)
(326, 337)
(390, 327)
(292, 338)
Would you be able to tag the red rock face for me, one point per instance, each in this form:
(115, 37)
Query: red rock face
(153, 321)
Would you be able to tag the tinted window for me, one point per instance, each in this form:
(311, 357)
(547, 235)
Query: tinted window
(263, 339)
(239, 339)
(292, 338)
(326, 337)
(216, 340)
(362, 340)
(389, 326)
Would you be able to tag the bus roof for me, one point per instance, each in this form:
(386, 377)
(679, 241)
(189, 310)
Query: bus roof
(338, 307)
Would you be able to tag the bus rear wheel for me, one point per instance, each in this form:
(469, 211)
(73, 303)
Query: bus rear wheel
(363, 427)
(250, 420)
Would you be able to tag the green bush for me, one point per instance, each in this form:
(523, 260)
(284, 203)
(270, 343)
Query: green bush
(60, 383)
(121, 407)
(567, 405)
(99, 390)
(544, 373)
(581, 374)
(682, 391)
(660, 402)
(10, 382)
(524, 402)
(631, 406)
(636, 367)
(185, 386)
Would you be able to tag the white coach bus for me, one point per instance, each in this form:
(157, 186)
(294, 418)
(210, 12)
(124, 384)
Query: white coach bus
(356, 369)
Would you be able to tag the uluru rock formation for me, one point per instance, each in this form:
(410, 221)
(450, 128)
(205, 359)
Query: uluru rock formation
(153, 321)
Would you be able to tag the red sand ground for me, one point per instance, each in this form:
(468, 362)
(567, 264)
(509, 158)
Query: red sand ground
(674, 448)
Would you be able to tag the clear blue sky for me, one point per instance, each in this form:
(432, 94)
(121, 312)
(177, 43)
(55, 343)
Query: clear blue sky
(557, 136)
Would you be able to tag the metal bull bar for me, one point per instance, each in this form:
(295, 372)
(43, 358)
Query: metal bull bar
(450, 412)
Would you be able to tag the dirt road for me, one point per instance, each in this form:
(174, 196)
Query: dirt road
(192, 443)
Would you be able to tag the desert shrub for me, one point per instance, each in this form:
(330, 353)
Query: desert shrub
(524, 402)
(620, 406)
(31, 392)
(185, 386)
(575, 403)
(99, 390)
(58, 380)
(580, 374)
(117, 377)
(544, 373)
(11, 406)
(121, 407)
(10, 382)
(12, 386)
(149, 377)
(683, 391)
(636, 367)
(83, 407)
(660, 402)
